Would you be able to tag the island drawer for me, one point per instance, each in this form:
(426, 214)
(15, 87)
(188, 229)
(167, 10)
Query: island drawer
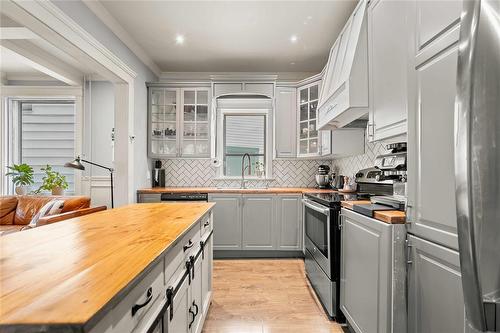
(175, 259)
(137, 304)
(206, 225)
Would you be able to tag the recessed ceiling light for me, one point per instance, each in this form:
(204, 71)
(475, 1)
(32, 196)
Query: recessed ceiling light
(293, 38)
(179, 39)
(292, 63)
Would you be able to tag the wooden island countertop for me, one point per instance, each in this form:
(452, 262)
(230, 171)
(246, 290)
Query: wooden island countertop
(70, 273)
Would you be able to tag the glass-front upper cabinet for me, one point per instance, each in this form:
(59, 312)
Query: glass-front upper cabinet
(179, 122)
(195, 129)
(163, 121)
(308, 136)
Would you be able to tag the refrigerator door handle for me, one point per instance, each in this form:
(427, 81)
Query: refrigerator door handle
(476, 307)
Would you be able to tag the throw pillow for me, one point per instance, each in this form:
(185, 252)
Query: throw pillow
(52, 207)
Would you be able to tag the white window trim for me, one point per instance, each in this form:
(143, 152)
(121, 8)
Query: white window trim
(10, 93)
(268, 158)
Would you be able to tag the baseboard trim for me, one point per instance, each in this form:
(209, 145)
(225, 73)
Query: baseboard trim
(245, 254)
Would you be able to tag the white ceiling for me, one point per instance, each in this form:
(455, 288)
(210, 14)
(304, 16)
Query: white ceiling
(234, 36)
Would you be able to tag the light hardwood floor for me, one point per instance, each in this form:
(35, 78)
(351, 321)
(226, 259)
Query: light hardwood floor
(264, 296)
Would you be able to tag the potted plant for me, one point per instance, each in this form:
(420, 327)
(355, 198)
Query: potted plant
(53, 181)
(22, 177)
(260, 170)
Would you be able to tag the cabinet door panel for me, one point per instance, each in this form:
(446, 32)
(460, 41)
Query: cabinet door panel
(432, 198)
(227, 222)
(289, 222)
(179, 322)
(286, 122)
(206, 273)
(258, 231)
(388, 30)
(435, 299)
(365, 272)
(196, 301)
(434, 18)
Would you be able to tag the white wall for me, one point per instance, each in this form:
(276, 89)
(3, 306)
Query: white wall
(82, 15)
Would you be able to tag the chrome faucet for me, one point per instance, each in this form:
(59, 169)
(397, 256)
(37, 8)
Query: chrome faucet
(243, 168)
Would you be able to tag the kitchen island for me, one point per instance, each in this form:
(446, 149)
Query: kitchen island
(113, 271)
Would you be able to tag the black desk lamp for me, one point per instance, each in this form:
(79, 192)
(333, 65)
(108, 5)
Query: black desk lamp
(76, 164)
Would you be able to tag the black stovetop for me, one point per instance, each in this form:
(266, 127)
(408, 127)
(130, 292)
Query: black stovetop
(333, 200)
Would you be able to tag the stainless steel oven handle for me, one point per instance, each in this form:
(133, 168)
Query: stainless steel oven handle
(316, 207)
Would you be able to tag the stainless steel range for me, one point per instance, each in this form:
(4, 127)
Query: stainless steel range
(322, 248)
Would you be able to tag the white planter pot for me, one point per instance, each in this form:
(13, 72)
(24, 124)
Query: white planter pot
(57, 191)
(21, 190)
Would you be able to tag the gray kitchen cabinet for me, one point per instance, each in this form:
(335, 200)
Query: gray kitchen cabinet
(372, 272)
(206, 272)
(310, 141)
(196, 297)
(435, 299)
(390, 65)
(285, 122)
(258, 222)
(227, 221)
(289, 222)
(181, 316)
(431, 181)
(178, 121)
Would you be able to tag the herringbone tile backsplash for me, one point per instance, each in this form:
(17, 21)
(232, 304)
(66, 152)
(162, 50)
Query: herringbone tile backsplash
(200, 173)
(349, 166)
(286, 173)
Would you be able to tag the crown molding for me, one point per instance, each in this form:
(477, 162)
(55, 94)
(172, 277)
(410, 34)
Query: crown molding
(105, 16)
(58, 21)
(207, 77)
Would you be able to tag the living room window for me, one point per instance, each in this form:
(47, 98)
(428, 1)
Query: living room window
(42, 132)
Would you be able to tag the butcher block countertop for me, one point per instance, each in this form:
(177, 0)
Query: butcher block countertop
(71, 273)
(269, 190)
(388, 216)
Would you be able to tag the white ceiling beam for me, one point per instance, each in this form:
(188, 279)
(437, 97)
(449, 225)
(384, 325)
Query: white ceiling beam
(17, 33)
(44, 62)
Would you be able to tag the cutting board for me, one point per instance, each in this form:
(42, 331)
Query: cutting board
(390, 216)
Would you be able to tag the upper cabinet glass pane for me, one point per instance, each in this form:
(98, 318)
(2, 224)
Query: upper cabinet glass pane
(170, 97)
(157, 97)
(312, 109)
(244, 134)
(189, 112)
(303, 96)
(189, 97)
(202, 96)
(303, 112)
(201, 113)
(313, 93)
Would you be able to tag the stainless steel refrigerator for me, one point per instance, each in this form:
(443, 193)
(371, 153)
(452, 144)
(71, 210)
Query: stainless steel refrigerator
(477, 162)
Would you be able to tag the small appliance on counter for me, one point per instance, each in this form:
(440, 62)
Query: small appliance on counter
(158, 174)
(323, 177)
(384, 184)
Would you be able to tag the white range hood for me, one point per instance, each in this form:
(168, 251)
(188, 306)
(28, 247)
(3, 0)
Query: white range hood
(344, 92)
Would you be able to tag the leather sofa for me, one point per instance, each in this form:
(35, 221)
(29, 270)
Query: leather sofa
(17, 211)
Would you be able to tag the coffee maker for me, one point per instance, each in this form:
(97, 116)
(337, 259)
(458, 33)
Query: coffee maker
(393, 169)
(158, 174)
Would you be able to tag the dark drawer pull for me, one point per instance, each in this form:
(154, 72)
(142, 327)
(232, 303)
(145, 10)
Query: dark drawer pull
(196, 306)
(194, 316)
(136, 307)
(188, 246)
(206, 224)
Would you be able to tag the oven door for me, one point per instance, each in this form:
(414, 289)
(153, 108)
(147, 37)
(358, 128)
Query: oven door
(317, 229)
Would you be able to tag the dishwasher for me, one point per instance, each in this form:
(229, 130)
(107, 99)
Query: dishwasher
(170, 197)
